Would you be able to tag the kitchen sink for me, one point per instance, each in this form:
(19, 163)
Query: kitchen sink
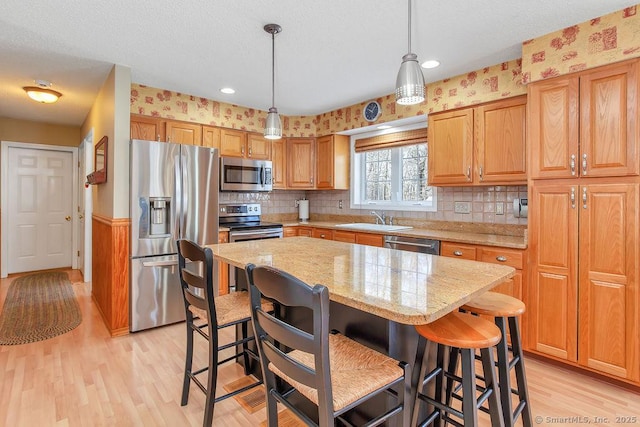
(373, 227)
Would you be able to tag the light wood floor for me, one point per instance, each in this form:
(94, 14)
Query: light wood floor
(86, 378)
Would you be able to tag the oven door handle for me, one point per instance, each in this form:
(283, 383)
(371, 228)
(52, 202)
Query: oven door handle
(254, 233)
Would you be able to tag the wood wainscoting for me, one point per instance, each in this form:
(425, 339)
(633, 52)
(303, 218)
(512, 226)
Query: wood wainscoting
(110, 284)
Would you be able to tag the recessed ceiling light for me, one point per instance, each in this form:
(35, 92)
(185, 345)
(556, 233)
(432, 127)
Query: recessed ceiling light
(227, 90)
(381, 127)
(431, 63)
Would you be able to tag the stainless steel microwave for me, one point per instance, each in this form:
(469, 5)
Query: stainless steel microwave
(245, 174)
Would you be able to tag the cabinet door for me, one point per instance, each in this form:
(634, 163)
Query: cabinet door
(258, 147)
(289, 231)
(184, 133)
(609, 121)
(609, 279)
(552, 291)
(223, 267)
(370, 239)
(450, 143)
(300, 162)
(305, 231)
(553, 128)
(344, 236)
(322, 233)
(500, 142)
(324, 162)
(332, 162)
(457, 250)
(232, 142)
(147, 128)
(211, 137)
(279, 163)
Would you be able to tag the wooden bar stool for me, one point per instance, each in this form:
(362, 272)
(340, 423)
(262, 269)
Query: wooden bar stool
(467, 333)
(506, 309)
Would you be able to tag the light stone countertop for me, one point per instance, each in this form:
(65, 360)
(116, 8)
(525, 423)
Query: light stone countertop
(405, 287)
(498, 240)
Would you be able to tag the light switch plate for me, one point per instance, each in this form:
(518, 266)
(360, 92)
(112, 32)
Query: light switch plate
(462, 207)
(499, 208)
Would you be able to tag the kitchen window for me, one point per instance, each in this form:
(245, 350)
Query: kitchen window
(390, 170)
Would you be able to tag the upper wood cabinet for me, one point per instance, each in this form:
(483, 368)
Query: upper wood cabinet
(211, 136)
(233, 142)
(585, 124)
(584, 297)
(258, 147)
(279, 163)
(184, 133)
(483, 145)
(249, 145)
(147, 128)
(301, 163)
(332, 162)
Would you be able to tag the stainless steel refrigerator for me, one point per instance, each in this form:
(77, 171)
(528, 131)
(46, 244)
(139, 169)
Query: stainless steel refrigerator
(173, 194)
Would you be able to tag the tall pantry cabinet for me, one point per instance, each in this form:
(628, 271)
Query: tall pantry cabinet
(584, 219)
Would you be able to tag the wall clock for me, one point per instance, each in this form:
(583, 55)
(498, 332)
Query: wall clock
(372, 111)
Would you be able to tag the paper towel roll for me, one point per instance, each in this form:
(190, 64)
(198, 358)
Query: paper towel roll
(303, 210)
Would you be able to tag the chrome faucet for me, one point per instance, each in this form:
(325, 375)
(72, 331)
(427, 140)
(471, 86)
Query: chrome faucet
(378, 217)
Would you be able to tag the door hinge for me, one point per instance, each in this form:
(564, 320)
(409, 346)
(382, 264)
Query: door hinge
(78, 253)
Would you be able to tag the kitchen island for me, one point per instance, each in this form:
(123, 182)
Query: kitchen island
(404, 287)
(377, 294)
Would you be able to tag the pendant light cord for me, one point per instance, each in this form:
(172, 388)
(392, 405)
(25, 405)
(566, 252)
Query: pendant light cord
(409, 38)
(273, 72)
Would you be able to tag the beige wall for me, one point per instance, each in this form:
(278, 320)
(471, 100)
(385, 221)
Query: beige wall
(109, 116)
(39, 133)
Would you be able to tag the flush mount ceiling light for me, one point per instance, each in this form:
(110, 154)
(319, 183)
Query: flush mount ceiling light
(273, 126)
(41, 93)
(410, 81)
(430, 63)
(228, 90)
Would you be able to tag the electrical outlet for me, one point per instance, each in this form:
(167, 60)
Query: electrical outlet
(499, 208)
(462, 207)
(296, 204)
(339, 204)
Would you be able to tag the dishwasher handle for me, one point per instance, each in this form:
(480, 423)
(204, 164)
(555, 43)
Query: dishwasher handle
(420, 245)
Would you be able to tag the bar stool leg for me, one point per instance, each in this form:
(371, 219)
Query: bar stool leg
(521, 378)
(503, 371)
(488, 367)
(467, 358)
(418, 377)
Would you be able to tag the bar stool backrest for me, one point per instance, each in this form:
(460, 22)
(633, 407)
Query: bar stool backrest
(195, 265)
(289, 291)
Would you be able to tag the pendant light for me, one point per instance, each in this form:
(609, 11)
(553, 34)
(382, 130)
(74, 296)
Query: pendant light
(410, 81)
(273, 126)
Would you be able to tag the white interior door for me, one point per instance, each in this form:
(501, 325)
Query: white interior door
(85, 166)
(40, 209)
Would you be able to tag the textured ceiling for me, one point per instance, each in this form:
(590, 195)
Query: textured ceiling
(331, 53)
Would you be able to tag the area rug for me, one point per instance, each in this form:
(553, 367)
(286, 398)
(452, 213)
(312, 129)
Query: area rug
(38, 307)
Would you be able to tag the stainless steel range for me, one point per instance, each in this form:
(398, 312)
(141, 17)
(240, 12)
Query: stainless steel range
(244, 223)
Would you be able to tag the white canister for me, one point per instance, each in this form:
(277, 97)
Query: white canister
(303, 210)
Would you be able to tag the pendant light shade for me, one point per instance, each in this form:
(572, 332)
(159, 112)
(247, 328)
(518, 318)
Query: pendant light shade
(273, 125)
(410, 81)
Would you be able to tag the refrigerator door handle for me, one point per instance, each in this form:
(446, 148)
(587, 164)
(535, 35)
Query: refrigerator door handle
(179, 202)
(160, 263)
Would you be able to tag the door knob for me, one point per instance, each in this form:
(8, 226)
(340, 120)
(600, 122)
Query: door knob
(68, 218)
(80, 216)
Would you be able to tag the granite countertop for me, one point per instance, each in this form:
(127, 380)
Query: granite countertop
(405, 287)
(469, 237)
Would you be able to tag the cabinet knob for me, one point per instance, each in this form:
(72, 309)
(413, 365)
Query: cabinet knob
(573, 197)
(469, 173)
(572, 164)
(249, 151)
(457, 253)
(501, 258)
(584, 197)
(584, 164)
(481, 177)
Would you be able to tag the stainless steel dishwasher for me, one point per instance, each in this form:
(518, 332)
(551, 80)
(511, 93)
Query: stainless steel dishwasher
(413, 244)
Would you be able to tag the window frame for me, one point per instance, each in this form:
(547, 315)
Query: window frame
(358, 174)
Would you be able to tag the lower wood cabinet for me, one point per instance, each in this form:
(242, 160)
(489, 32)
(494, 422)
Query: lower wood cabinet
(322, 233)
(515, 287)
(369, 239)
(584, 248)
(223, 267)
(289, 231)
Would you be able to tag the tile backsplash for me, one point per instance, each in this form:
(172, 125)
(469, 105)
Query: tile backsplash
(481, 200)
